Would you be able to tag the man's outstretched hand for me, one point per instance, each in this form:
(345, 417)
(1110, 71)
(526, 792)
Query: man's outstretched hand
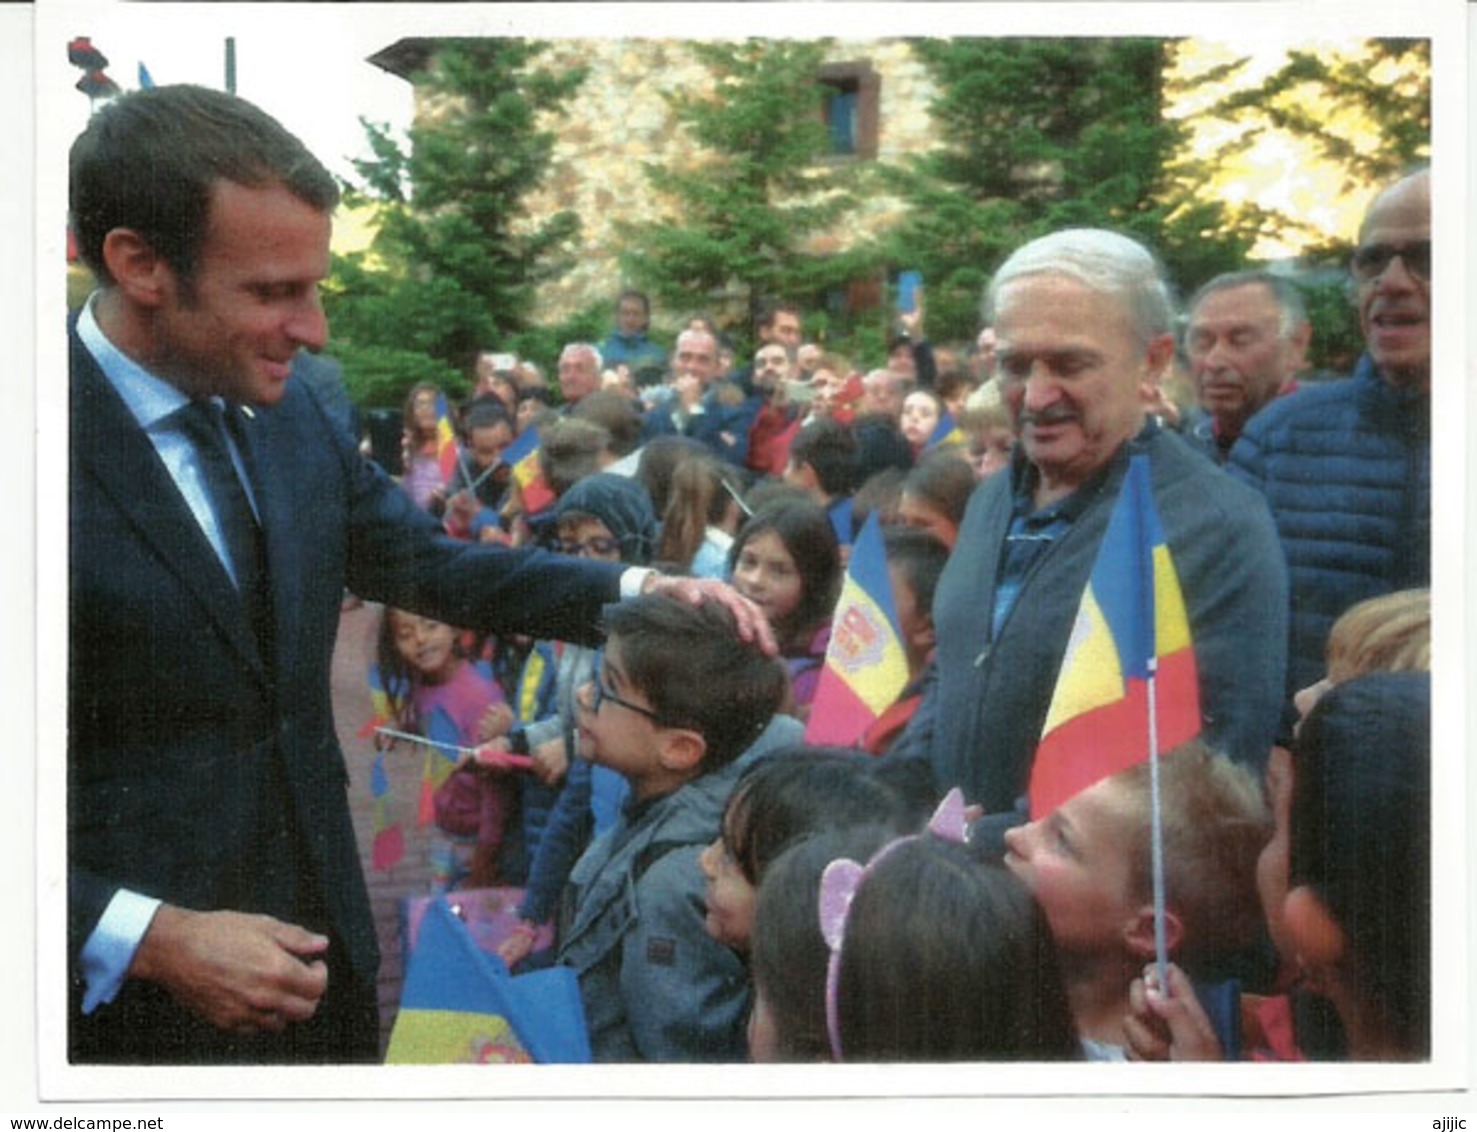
(752, 624)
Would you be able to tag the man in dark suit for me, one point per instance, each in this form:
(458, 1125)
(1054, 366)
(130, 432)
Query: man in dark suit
(217, 909)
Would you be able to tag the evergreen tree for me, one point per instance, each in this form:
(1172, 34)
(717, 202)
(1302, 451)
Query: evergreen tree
(455, 260)
(744, 212)
(1364, 111)
(1037, 135)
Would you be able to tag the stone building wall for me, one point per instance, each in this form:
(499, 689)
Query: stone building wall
(618, 122)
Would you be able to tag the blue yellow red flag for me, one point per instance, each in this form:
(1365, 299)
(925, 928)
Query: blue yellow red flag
(947, 431)
(447, 453)
(438, 762)
(866, 667)
(528, 473)
(459, 1004)
(1131, 631)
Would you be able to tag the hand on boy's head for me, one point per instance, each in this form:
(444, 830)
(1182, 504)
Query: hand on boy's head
(753, 626)
(1172, 1027)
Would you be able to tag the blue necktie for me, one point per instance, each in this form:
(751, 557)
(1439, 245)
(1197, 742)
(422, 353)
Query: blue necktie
(202, 423)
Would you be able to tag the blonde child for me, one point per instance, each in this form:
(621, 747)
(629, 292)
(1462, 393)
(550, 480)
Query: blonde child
(1089, 865)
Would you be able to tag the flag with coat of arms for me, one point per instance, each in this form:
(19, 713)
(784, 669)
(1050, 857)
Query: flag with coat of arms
(866, 667)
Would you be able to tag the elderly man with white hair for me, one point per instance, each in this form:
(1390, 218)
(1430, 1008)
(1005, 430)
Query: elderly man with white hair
(1083, 321)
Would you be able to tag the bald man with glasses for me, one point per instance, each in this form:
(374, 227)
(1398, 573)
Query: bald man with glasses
(1346, 466)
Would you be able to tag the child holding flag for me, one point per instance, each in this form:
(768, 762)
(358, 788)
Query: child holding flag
(434, 690)
(1089, 864)
(428, 446)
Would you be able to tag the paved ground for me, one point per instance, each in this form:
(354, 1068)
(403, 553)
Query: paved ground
(356, 638)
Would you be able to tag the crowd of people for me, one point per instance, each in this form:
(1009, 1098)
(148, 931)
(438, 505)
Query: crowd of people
(723, 889)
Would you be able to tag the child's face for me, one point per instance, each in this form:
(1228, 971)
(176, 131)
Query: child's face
(588, 538)
(765, 573)
(1272, 865)
(920, 418)
(487, 444)
(429, 647)
(1075, 862)
(990, 452)
(614, 726)
(730, 897)
(920, 513)
(423, 408)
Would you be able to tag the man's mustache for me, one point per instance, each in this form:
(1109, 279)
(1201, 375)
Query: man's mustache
(1055, 415)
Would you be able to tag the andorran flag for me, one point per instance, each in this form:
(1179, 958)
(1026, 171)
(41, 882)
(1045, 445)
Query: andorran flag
(459, 1004)
(528, 473)
(1129, 652)
(947, 431)
(447, 454)
(865, 667)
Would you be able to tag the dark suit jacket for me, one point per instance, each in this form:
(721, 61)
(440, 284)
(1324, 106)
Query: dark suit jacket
(205, 774)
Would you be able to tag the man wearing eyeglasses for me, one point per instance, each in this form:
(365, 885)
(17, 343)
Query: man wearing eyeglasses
(1346, 466)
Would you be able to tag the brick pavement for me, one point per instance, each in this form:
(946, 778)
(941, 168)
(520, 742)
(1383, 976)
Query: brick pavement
(354, 651)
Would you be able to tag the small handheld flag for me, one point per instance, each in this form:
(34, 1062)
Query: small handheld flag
(448, 455)
(1129, 648)
(945, 432)
(866, 667)
(1128, 682)
(528, 473)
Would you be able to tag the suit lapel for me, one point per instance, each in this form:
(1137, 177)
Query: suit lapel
(110, 449)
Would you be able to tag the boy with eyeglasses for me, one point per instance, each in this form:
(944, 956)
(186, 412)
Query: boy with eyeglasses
(1345, 466)
(678, 707)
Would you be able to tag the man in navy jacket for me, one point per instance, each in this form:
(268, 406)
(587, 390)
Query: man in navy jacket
(1345, 466)
(217, 911)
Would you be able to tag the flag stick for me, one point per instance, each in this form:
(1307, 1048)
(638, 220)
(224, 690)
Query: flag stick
(451, 748)
(1143, 485)
(1156, 831)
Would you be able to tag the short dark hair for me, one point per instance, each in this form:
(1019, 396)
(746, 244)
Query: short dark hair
(676, 655)
(830, 448)
(919, 557)
(150, 160)
(772, 310)
(485, 412)
(617, 413)
(800, 790)
(944, 481)
(639, 296)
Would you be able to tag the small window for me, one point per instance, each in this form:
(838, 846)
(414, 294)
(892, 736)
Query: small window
(849, 103)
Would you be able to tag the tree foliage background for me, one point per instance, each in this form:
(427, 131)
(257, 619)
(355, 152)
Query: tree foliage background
(1036, 134)
(1041, 134)
(456, 261)
(746, 207)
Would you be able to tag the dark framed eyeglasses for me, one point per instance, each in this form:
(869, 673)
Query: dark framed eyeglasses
(1370, 261)
(599, 544)
(603, 692)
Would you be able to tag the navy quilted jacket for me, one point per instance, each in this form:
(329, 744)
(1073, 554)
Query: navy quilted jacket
(1346, 471)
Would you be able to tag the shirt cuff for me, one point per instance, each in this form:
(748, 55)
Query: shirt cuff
(633, 579)
(109, 950)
